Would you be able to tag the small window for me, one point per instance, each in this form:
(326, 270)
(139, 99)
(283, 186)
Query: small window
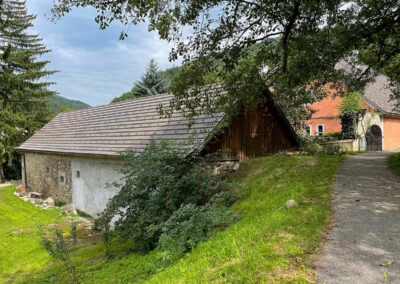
(62, 179)
(309, 129)
(320, 129)
(78, 174)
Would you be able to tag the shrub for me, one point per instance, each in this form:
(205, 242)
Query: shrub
(332, 149)
(160, 188)
(311, 148)
(191, 224)
(53, 241)
(332, 134)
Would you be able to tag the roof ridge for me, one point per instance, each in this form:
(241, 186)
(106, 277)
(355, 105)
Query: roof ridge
(118, 103)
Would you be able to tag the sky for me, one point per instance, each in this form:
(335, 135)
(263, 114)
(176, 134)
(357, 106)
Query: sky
(95, 66)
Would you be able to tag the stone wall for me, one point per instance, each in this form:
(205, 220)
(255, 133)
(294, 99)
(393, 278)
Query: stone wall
(49, 175)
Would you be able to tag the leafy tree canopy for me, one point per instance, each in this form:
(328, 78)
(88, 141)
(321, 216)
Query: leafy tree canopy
(262, 45)
(352, 102)
(151, 83)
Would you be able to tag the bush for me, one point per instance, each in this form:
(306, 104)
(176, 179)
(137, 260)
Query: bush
(311, 148)
(332, 149)
(160, 190)
(191, 224)
(333, 134)
(54, 243)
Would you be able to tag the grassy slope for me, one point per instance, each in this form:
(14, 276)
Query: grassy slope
(56, 103)
(269, 244)
(394, 162)
(20, 253)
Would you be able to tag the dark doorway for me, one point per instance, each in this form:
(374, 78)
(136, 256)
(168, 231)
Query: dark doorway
(374, 138)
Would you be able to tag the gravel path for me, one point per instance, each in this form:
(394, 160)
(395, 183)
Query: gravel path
(366, 231)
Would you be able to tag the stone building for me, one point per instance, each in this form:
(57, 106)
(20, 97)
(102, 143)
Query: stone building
(75, 157)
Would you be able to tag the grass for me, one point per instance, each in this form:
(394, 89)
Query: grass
(82, 214)
(20, 252)
(269, 244)
(394, 162)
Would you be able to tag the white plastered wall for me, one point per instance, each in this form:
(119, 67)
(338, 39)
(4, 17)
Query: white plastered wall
(90, 192)
(369, 119)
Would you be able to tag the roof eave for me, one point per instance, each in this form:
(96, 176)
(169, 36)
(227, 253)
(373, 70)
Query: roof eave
(75, 154)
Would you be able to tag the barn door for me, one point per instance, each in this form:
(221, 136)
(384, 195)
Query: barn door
(374, 138)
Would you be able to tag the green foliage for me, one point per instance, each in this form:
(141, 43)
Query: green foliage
(268, 238)
(160, 186)
(262, 45)
(311, 148)
(83, 214)
(349, 121)
(327, 149)
(192, 224)
(352, 102)
(57, 248)
(394, 162)
(60, 204)
(23, 93)
(151, 83)
(332, 149)
(332, 134)
(59, 104)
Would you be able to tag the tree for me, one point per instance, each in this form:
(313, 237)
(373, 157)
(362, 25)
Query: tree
(23, 105)
(166, 200)
(151, 83)
(351, 102)
(291, 47)
(350, 112)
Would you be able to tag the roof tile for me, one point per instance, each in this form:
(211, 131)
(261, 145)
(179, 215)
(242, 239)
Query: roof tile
(108, 129)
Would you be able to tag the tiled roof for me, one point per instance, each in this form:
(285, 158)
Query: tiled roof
(377, 94)
(105, 130)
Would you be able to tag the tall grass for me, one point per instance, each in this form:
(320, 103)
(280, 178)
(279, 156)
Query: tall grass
(270, 243)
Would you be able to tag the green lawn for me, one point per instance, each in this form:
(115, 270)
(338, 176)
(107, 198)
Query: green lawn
(20, 252)
(269, 244)
(394, 162)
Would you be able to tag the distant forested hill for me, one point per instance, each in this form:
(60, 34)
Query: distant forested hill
(58, 104)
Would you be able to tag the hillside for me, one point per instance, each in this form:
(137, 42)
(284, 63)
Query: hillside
(269, 244)
(57, 103)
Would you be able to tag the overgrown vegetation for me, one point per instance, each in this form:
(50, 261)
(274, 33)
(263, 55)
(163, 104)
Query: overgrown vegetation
(350, 111)
(54, 243)
(166, 201)
(394, 162)
(268, 244)
(327, 149)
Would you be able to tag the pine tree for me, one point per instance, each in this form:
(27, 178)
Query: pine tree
(23, 104)
(151, 83)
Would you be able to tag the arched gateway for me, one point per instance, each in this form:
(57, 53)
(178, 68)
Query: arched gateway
(374, 138)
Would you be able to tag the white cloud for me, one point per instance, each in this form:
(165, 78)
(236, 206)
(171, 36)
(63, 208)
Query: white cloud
(95, 65)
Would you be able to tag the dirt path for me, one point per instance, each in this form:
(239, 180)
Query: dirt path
(366, 208)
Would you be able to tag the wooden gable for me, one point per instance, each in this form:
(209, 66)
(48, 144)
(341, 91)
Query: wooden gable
(257, 132)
